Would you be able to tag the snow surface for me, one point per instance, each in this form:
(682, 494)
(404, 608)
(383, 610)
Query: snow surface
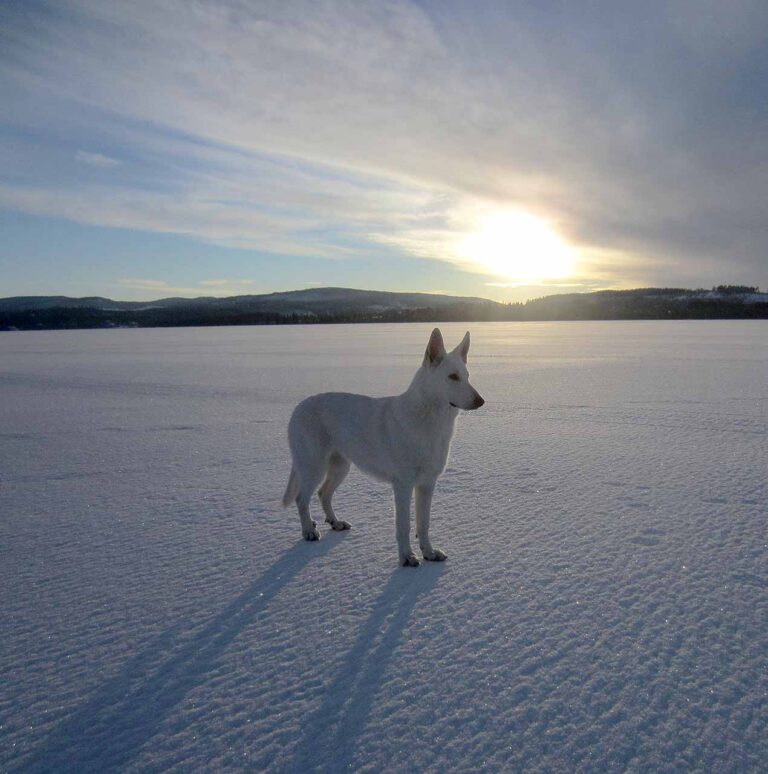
(604, 606)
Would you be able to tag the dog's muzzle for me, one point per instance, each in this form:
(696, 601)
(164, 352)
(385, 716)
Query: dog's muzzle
(476, 403)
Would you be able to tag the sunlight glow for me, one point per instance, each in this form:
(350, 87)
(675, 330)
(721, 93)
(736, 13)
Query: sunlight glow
(517, 246)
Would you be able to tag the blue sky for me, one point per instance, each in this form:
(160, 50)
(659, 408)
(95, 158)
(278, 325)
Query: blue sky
(498, 149)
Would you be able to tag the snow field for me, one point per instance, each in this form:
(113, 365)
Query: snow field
(603, 606)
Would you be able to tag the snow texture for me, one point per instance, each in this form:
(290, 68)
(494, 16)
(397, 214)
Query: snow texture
(604, 606)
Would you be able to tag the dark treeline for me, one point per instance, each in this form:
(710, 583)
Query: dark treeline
(67, 317)
(723, 302)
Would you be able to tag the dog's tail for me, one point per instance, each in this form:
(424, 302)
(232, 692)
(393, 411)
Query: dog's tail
(292, 489)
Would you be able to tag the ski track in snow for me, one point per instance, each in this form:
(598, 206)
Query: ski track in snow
(604, 606)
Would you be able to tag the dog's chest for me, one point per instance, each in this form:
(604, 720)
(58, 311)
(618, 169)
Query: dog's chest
(432, 452)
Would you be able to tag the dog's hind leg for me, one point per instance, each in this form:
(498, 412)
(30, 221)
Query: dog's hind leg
(310, 478)
(338, 467)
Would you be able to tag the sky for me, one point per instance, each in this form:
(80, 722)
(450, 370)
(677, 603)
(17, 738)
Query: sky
(500, 149)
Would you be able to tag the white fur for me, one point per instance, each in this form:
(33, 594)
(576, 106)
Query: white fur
(403, 439)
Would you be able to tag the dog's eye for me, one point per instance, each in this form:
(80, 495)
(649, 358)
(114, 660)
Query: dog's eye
(455, 377)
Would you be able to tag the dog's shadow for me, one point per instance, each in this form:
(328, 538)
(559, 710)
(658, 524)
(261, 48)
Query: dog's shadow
(331, 735)
(108, 730)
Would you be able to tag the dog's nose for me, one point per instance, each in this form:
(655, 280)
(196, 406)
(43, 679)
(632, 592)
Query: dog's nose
(478, 402)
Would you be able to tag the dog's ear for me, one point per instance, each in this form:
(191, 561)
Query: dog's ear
(463, 349)
(435, 349)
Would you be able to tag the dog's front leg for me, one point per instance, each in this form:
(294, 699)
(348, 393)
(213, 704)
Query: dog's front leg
(403, 495)
(423, 506)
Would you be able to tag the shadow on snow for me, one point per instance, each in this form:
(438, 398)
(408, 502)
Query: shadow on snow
(332, 733)
(108, 731)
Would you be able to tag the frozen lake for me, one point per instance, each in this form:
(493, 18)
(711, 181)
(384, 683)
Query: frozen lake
(604, 606)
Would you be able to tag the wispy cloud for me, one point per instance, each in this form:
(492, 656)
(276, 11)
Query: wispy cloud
(96, 159)
(154, 288)
(224, 283)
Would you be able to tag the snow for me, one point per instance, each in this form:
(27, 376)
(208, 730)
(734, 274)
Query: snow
(603, 606)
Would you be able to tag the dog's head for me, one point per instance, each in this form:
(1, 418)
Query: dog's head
(447, 373)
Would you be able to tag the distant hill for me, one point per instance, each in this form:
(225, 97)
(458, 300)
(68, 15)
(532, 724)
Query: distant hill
(344, 305)
(722, 302)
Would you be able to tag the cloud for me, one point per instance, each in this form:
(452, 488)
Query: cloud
(96, 159)
(339, 129)
(224, 282)
(153, 288)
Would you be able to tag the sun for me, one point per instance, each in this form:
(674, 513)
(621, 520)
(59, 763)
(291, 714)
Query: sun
(518, 246)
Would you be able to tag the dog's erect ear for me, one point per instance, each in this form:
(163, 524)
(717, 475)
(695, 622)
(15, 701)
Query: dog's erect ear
(435, 349)
(463, 349)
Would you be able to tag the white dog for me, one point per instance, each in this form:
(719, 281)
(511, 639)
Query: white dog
(403, 439)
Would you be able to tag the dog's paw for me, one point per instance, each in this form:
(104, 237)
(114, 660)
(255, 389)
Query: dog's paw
(311, 534)
(340, 525)
(409, 560)
(434, 555)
